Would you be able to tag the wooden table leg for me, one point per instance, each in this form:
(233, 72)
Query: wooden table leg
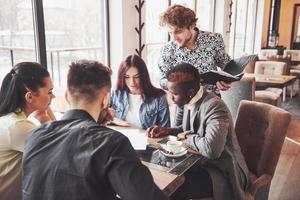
(284, 94)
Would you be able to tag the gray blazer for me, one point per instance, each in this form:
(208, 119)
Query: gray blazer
(214, 137)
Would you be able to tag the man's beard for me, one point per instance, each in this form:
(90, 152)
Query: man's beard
(187, 41)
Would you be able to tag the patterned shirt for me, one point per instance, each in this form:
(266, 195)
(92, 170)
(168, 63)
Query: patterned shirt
(208, 54)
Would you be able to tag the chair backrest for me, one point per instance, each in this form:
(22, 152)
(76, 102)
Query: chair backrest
(239, 90)
(295, 54)
(250, 66)
(270, 68)
(264, 53)
(286, 59)
(261, 129)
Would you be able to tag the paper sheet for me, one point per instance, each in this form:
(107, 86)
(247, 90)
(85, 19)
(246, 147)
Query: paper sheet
(137, 139)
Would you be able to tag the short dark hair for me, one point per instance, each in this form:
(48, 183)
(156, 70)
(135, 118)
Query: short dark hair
(86, 78)
(24, 76)
(148, 90)
(184, 73)
(178, 16)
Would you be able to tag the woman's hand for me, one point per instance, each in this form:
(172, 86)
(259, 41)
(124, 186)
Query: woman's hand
(221, 85)
(50, 114)
(106, 116)
(157, 131)
(44, 116)
(120, 122)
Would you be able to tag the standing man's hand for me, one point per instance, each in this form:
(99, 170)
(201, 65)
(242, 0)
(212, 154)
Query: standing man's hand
(157, 131)
(221, 85)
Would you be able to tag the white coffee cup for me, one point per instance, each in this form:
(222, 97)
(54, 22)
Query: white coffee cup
(174, 146)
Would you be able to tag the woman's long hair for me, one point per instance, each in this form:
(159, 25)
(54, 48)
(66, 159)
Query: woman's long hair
(23, 77)
(148, 90)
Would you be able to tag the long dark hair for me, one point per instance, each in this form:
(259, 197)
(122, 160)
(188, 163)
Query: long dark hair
(148, 90)
(23, 77)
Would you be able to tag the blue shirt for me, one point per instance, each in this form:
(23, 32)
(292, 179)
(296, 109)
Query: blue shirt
(154, 111)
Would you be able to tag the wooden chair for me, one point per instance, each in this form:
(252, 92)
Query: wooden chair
(269, 95)
(293, 89)
(295, 66)
(250, 66)
(295, 55)
(264, 53)
(286, 59)
(261, 129)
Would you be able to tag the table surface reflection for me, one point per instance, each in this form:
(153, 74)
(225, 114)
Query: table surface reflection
(167, 172)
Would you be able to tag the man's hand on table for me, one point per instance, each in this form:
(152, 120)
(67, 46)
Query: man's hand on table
(157, 131)
(106, 116)
(120, 122)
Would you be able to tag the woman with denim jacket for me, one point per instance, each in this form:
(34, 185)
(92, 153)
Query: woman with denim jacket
(136, 101)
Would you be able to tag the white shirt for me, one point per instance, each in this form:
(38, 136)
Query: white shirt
(192, 103)
(14, 129)
(133, 115)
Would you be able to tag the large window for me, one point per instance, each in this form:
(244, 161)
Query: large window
(157, 36)
(205, 14)
(16, 34)
(73, 30)
(245, 33)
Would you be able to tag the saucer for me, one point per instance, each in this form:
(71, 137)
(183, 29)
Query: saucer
(182, 152)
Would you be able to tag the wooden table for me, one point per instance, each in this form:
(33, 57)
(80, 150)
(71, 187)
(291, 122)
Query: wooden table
(273, 81)
(167, 182)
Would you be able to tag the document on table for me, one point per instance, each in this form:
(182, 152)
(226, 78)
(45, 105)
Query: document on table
(137, 139)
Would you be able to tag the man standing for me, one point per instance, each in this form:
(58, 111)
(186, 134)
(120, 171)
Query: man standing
(204, 50)
(76, 158)
(211, 133)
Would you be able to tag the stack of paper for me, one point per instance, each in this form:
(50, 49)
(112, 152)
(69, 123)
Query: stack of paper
(137, 139)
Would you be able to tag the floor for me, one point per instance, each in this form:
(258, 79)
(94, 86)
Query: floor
(286, 181)
(293, 106)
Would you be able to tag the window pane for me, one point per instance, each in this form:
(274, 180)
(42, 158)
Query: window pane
(75, 29)
(240, 28)
(153, 12)
(16, 34)
(250, 26)
(154, 42)
(187, 3)
(232, 30)
(245, 32)
(205, 15)
(153, 53)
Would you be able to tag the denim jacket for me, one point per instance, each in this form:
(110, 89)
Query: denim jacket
(154, 111)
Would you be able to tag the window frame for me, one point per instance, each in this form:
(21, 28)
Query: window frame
(40, 38)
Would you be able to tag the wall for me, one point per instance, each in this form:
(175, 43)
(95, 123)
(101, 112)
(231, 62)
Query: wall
(286, 21)
(123, 38)
(267, 7)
